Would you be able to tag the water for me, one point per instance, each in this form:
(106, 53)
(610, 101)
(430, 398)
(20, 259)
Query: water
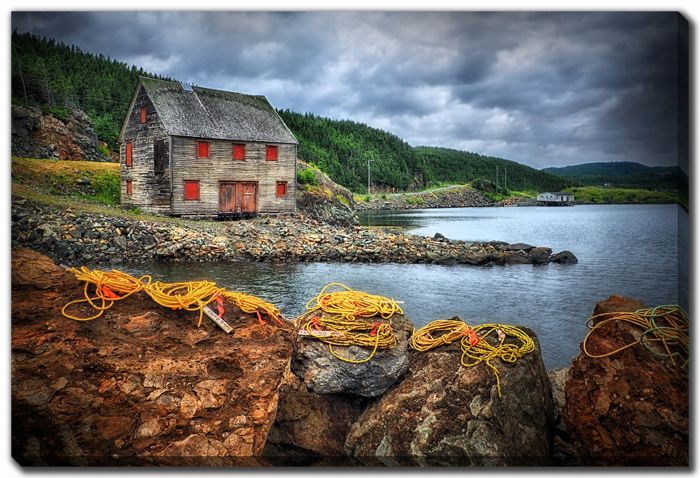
(629, 250)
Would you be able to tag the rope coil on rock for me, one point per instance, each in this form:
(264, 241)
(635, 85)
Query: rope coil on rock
(664, 325)
(192, 296)
(338, 318)
(475, 347)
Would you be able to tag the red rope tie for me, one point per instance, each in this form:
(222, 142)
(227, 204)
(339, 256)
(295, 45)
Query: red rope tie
(473, 338)
(107, 292)
(373, 332)
(260, 319)
(220, 305)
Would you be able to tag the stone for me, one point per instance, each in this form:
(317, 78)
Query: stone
(316, 423)
(321, 372)
(564, 257)
(443, 413)
(629, 409)
(520, 246)
(83, 392)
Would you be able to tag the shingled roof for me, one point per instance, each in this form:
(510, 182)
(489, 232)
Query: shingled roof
(215, 114)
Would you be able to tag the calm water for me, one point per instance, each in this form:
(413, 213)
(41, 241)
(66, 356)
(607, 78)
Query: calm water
(629, 250)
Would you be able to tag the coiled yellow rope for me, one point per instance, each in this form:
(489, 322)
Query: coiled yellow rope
(193, 296)
(475, 347)
(337, 318)
(665, 325)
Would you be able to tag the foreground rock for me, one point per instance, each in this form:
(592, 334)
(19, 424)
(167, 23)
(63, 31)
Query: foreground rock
(628, 409)
(311, 426)
(443, 414)
(140, 385)
(76, 238)
(321, 372)
(35, 135)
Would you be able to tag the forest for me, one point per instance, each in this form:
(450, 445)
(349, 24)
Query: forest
(56, 78)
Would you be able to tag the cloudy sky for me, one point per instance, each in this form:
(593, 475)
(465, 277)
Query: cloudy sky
(544, 89)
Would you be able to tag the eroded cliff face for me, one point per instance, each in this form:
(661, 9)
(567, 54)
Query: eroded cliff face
(142, 384)
(35, 135)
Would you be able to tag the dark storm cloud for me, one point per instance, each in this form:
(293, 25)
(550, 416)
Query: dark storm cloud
(540, 88)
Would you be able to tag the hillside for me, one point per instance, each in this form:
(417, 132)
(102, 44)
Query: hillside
(59, 78)
(451, 165)
(341, 150)
(622, 174)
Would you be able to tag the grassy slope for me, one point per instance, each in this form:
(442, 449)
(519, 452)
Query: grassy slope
(599, 195)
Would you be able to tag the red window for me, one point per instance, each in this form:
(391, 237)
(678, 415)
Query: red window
(143, 114)
(129, 152)
(202, 149)
(239, 152)
(281, 188)
(129, 187)
(191, 190)
(271, 153)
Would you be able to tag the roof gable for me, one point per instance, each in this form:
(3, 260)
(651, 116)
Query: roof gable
(215, 114)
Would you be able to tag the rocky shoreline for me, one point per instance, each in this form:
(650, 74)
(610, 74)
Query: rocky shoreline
(460, 196)
(143, 385)
(74, 238)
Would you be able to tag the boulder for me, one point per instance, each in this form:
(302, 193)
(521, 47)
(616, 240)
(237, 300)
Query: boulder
(311, 425)
(140, 385)
(324, 373)
(564, 257)
(630, 408)
(520, 246)
(539, 255)
(443, 413)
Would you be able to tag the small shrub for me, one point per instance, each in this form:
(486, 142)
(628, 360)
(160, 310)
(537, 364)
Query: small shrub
(104, 149)
(366, 198)
(107, 188)
(59, 112)
(342, 199)
(307, 176)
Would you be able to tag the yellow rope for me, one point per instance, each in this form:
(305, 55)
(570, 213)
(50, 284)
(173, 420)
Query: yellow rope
(666, 325)
(338, 318)
(476, 349)
(192, 296)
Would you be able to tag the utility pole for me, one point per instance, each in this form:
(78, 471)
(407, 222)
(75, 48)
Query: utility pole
(496, 179)
(369, 192)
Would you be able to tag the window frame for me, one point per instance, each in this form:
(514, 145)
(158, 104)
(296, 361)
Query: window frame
(277, 189)
(208, 143)
(185, 182)
(233, 151)
(268, 149)
(129, 187)
(129, 154)
(142, 115)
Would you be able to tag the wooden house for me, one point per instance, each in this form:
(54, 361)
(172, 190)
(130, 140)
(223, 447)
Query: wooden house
(556, 199)
(191, 151)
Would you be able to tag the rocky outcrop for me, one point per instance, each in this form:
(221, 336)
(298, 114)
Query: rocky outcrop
(630, 408)
(325, 200)
(140, 385)
(74, 237)
(311, 426)
(37, 135)
(321, 372)
(442, 414)
(457, 196)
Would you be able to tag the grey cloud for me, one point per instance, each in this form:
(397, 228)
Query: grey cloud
(540, 88)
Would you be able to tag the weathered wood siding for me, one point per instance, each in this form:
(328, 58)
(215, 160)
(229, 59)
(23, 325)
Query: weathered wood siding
(151, 191)
(220, 166)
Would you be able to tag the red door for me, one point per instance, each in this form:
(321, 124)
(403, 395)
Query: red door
(238, 197)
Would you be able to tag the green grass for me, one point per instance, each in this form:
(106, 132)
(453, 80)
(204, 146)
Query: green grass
(600, 195)
(85, 180)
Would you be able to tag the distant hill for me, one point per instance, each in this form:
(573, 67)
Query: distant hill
(451, 165)
(624, 174)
